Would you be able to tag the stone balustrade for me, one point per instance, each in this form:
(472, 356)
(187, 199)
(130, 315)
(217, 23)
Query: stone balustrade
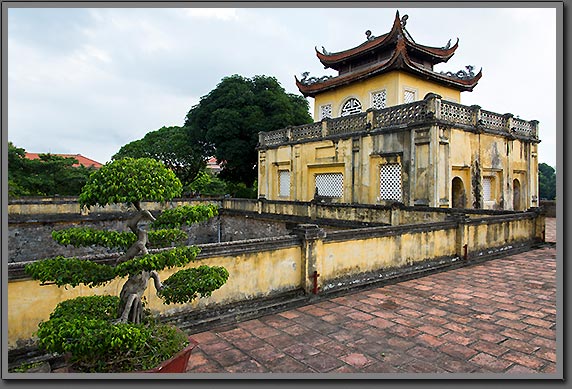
(430, 110)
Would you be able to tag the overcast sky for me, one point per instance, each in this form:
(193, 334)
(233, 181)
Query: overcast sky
(89, 81)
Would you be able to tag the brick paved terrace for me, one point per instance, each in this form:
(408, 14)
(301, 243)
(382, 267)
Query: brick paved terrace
(494, 317)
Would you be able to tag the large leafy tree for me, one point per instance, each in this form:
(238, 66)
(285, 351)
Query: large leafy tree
(546, 181)
(226, 122)
(173, 147)
(47, 176)
(112, 326)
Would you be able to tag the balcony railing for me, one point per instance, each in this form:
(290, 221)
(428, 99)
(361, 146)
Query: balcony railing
(432, 108)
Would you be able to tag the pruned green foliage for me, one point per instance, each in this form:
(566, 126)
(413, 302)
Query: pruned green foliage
(185, 215)
(84, 236)
(70, 271)
(170, 145)
(85, 328)
(178, 256)
(226, 122)
(130, 180)
(186, 285)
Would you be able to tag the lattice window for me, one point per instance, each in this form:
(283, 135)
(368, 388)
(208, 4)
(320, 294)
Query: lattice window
(379, 99)
(487, 188)
(325, 111)
(330, 184)
(284, 183)
(408, 96)
(351, 107)
(390, 181)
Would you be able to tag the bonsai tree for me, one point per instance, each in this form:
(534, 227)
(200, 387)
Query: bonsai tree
(116, 333)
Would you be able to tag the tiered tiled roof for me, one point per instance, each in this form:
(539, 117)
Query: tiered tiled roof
(395, 50)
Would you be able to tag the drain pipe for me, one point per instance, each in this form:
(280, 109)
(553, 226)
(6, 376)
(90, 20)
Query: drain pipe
(465, 252)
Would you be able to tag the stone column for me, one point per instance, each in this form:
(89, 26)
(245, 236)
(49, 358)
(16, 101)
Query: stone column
(311, 236)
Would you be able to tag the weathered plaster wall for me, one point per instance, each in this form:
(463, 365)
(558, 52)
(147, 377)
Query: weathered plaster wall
(270, 266)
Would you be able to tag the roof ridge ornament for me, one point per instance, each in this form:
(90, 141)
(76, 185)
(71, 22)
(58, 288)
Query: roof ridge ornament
(462, 74)
(369, 36)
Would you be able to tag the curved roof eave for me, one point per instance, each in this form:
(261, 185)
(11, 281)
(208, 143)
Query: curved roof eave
(399, 60)
(439, 54)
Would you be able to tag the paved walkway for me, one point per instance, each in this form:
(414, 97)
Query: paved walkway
(494, 317)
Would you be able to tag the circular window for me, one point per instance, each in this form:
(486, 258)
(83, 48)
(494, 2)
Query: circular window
(351, 107)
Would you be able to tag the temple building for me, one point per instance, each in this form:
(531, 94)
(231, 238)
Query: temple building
(389, 128)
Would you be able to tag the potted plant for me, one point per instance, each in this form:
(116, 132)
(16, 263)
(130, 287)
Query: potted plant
(117, 333)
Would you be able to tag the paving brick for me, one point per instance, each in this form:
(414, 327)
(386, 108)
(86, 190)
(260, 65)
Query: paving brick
(289, 314)
(229, 357)
(281, 340)
(380, 323)
(425, 353)
(236, 333)
(457, 350)
(489, 347)
(490, 362)
(453, 365)
(455, 337)
(300, 351)
(403, 331)
(296, 329)
(265, 353)
(264, 332)
(323, 363)
(432, 330)
(205, 337)
(519, 345)
(546, 333)
(529, 361)
(357, 360)
(287, 365)
(429, 340)
(248, 343)
(538, 322)
(249, 366)
(214, 347)
(547, 354)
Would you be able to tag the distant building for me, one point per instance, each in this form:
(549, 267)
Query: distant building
(82, 161)
(389, 128)
(213, 166)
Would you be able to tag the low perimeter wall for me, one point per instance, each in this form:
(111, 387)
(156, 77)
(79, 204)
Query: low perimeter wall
(311, 260)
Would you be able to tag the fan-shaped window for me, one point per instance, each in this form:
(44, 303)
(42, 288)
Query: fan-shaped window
(351, 107)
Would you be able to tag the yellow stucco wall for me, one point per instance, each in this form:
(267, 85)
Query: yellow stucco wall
(394, 82)
(270, 271)
(250, 275)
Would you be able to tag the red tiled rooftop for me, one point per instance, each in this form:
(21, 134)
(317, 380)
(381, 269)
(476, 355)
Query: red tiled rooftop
(83, 161)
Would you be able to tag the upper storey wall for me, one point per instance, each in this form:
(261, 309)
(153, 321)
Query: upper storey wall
(394, 84)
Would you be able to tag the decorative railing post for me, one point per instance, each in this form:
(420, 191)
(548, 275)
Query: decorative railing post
(508, 125)
(325, 127)
(534, 124)
(312, 240)
(261, 137)
(433, 105)
(476, 109)
(370, 117)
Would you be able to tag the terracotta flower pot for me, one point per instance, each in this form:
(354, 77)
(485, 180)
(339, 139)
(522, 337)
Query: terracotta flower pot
(177, 363)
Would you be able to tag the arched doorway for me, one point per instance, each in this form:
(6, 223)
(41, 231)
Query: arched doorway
(516, 195)
(458, 195)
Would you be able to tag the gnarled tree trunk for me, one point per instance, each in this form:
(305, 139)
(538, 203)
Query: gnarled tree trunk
(131, 305)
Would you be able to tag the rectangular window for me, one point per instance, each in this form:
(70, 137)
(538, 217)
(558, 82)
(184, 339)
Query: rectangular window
(325, 111)
(379, 99)
(390, 181)
(330, 184)
(408, 96)
(487, 188)
(284, 183)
